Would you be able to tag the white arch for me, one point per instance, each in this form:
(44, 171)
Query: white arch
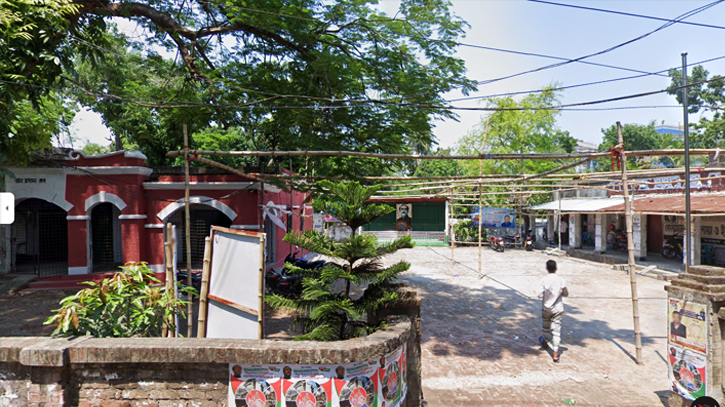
(46, 196)
(104, 196)
(204, 200)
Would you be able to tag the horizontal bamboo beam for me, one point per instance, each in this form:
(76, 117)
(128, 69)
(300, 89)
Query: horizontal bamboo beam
(486, 156)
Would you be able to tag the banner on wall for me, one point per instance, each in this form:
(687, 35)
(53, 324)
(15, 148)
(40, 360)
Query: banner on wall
(372, 383)
(712, 233)
(687, 372)
(494, 217)
(687, 325)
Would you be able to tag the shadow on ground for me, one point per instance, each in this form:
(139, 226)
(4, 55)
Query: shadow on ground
(489, 322)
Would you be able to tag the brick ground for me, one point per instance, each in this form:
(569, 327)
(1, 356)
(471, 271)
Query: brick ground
(480, 336)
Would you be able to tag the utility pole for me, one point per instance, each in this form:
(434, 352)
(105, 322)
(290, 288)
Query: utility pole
(688, 219)
(630, 246)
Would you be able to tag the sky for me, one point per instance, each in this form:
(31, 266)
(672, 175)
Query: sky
(525, 26)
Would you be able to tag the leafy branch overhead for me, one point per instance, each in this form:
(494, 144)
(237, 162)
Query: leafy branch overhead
(260, 73)
(327, 309)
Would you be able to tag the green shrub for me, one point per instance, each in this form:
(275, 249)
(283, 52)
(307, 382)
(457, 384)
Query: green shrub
(467, 230)
(131, 303)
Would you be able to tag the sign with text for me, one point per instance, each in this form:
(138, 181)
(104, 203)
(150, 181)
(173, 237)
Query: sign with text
(687, 324)
(494, 217)
(687, 372)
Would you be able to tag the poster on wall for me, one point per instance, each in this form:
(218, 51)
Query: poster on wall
(494, 217)
(687, 325)
(673, 226)
(403, 217)
(687, 372)
(318, 221)
(712, 233)
(372, 383)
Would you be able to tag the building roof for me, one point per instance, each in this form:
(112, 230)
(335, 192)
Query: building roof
(707, 203)
(579, 204)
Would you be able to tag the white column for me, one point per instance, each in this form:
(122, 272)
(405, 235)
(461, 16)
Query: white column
(550, 225)
(447, 219)
(696, 247)
(639, 235)
(600, 237)
(575, 234)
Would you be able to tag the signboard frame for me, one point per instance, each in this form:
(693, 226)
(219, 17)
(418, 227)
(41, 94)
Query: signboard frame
(219, 301)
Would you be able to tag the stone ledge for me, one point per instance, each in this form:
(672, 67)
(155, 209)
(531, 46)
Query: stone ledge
(41, 351)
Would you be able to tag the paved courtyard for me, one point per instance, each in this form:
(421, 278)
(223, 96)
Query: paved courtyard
(480, 335)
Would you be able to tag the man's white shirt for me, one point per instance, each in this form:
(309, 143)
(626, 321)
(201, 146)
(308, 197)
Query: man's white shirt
(550, 292)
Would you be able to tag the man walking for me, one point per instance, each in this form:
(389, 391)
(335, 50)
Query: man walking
(553, 289)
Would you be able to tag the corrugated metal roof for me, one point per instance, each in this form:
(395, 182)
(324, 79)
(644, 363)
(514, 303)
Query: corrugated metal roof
(699, 203)
(579, 204)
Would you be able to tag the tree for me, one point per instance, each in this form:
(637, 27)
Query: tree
(303, 75)
(327, 314)
(96, 149)
(635, 137)
(518, 131)
(35, 51)
(706, 93)
(438, 168)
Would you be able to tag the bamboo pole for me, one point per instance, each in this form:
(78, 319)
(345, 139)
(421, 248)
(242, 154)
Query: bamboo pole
(204, 294)
(555, 170)
(260, 314)
(483, 145)
(187, 213)
(487, 156)
(453, 238)
(630, 246)
(169, 267)
(224, 167)
(480, 225)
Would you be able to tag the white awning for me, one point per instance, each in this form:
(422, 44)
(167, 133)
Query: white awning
(578, 204)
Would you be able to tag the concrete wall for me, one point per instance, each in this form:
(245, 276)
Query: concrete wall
(94, 372)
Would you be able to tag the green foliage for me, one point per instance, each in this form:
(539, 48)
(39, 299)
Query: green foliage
(231, 139)
(467, 230)
(708, 94)
(635, 137)
(327, 312)
(128, 304)
(96, 149)
(438, 168)
(268, 68)
(518, 131)
(34, 52)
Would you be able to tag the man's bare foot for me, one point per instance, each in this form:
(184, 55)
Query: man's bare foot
(556, 356)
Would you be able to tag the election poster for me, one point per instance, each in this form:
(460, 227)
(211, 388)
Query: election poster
(403, 217)
(494, 217)
(687, 372)
(687, 324)
(372, 383)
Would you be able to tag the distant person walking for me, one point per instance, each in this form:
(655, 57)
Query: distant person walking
(553, 290)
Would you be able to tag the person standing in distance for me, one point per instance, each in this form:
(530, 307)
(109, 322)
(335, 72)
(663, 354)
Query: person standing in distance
(553, 290)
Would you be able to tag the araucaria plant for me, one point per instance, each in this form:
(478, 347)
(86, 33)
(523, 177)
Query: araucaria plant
(326, 309)
(131, 303)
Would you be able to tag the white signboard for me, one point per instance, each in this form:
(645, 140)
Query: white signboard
(236, 284)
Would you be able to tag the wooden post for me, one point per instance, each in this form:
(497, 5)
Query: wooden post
(453, 235)
(480, 225)
(260, 315)
(203, 300)
(630, 246)
(169, 266)
(558, 220)
(190, 308)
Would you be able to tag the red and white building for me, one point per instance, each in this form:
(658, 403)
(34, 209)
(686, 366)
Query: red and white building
(79, 215)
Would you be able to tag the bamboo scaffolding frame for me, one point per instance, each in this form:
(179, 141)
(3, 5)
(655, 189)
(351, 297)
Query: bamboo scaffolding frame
(204, 293)
(487, 156)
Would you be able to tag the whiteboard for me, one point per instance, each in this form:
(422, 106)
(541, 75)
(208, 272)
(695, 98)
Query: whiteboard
(235, 285)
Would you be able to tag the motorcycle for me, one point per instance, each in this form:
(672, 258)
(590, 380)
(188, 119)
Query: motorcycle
(529, 244)
(673, 247)
(544, 235)
(497, 243)
(286, 284)
(182, 277)
(510, 241)
(618, 241)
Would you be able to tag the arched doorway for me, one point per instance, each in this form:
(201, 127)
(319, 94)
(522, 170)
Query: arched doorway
(106, 242)
(39, 238)
(202, 218)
